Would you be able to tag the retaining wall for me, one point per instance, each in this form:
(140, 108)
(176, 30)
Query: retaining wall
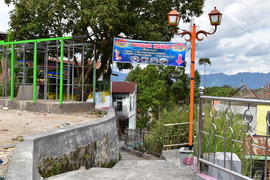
(89, 144)
(48, 106)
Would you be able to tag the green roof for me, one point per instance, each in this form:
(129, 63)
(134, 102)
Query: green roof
(257, 157)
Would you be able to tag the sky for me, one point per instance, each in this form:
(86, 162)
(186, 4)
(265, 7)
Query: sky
(241, 43)
(4, 16)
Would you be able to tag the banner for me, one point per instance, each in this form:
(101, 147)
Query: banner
(149, 52)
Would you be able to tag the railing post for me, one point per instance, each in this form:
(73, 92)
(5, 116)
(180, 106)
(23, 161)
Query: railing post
(61, 71)
(35, 74)
(199, 135)
(266, 155)
(12, 73)
(94, 76)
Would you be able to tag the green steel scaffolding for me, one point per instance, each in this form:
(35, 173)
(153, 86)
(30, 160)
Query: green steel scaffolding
(35, 42)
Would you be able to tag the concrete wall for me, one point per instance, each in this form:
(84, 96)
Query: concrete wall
(90, 144)
(129, 108)
(240, 110)
(48, 106)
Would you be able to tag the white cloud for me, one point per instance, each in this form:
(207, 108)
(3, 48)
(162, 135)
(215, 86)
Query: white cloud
(242, 41)
(4, 15)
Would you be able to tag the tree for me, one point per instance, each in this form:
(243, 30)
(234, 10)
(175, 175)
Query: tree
(204, 61)
(224, 91)
(197, 83)
(159, 88)
(100, 20)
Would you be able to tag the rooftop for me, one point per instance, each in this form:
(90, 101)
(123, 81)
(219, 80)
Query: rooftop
(123, 87)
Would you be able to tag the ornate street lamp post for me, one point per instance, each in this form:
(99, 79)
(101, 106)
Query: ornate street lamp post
(173, 20)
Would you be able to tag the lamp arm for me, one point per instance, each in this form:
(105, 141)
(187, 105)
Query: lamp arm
(205, 33)
(185, 32)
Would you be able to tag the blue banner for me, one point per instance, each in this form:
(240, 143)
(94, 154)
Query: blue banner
(149, 52)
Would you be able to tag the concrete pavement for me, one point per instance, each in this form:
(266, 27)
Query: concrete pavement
(133, 168)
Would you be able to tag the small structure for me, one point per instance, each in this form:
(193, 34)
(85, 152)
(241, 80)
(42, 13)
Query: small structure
(245, 92)
(259, 155)
(124, 95)
(3, 36)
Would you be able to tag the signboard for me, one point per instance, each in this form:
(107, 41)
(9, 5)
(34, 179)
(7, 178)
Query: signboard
(149, 52)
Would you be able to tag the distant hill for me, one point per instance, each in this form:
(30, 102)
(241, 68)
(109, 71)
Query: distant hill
(252, 80)
(120, 76)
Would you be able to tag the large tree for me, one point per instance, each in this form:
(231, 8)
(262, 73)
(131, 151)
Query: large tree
(100, 20)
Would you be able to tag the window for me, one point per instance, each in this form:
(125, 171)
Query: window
(119, 106)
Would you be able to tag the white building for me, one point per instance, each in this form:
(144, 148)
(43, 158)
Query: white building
(124, 96)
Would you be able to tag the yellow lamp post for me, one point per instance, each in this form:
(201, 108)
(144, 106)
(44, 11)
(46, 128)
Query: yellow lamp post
(173, 20)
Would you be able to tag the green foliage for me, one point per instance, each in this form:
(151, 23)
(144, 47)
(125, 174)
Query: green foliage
(162, 135)
(100, 20)
(213, 144)
(225, 91)
(158, 87)
(204, 61)
(109, 164)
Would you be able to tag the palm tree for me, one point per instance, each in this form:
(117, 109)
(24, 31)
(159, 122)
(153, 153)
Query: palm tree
(204, 61)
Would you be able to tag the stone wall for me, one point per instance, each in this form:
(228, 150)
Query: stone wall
(90, 144)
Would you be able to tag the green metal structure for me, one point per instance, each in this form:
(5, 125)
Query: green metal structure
(35, 57)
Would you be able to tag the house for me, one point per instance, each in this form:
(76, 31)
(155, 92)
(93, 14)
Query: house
(258, 150)
(261, 113)
(245, 92)
(124, 95)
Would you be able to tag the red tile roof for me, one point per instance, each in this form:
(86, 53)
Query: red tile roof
(123, 87)
(258, 141)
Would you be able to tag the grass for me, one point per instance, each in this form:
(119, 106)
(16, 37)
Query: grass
(232, 127)
(161, 135)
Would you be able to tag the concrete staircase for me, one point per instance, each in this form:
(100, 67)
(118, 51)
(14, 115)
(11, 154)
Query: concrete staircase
(132, 168)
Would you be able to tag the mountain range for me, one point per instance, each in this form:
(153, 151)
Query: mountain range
(252, 80)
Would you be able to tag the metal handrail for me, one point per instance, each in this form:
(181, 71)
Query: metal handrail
(243, 100)
(247, 143)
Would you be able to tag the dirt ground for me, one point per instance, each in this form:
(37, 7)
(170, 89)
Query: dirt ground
(15, 124)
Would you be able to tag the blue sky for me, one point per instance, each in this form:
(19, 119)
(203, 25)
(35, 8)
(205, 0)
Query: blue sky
(241, 43)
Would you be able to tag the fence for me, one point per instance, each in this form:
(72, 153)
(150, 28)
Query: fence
(227, 136)
(174, 136)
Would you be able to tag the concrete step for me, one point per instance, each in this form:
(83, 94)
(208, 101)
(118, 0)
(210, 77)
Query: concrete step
(132, 167)
(128, 156)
